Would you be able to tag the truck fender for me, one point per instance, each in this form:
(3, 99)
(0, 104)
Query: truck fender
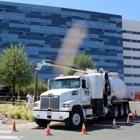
(79, 107)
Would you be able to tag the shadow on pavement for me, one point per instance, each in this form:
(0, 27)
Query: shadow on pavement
(98, 124)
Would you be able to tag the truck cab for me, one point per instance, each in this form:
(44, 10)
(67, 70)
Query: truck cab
(68, 93)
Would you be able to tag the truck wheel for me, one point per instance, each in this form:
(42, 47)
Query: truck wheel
(121, 110)
(75, 120)
(116, 111)
(41, 122)
(126, 108)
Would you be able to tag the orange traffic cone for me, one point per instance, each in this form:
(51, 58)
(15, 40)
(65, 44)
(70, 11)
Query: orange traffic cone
(135, 113)
(48, 132)
(128, 119)
(83, 129)
(14, 126)
(114, 124)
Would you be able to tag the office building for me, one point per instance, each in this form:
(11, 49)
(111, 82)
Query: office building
(131, 55)
(42, 29)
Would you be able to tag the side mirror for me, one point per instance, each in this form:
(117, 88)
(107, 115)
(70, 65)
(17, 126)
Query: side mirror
(87, 82)
(51, 80)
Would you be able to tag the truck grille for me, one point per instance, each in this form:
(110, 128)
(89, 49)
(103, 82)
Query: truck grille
(49, 103)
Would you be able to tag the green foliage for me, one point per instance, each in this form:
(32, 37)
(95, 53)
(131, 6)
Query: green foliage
(80, 60)
(42, 86)
(23, 103)
(15, 70)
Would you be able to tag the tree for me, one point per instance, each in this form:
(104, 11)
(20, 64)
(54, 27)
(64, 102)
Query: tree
(80, 60)
(15, 70)
(42, 86)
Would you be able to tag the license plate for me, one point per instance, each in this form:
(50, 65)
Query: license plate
(49, 113)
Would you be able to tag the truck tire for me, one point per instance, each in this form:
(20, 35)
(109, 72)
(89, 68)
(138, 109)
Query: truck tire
(75, 119)
(116, 111)
(126, 109)
(121, 110)
(42, 122)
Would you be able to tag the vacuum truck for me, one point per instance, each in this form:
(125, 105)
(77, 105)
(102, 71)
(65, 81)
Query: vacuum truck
(86, 95)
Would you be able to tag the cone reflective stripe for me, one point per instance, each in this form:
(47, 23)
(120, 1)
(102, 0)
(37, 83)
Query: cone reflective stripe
(128, 119)
(83, 129)
(114, 124)
(48, 132)
(14, 126)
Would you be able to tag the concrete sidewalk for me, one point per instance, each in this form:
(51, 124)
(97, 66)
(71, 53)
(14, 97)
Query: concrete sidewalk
(134, 102)
(30, 125)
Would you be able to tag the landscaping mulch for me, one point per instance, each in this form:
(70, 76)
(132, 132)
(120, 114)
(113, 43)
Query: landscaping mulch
(8, 120)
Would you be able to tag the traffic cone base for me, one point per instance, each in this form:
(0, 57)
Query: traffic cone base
(114, 127)
(48, 132)
(83, 129)
(14, 126)
(114, 124)
(128, 119)
(133, 115)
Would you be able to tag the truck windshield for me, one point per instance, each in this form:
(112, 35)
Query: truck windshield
(66, 83)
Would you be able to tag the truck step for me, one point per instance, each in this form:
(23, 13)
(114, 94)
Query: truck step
(90, 117)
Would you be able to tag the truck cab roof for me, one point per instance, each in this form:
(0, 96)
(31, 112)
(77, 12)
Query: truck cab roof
(67, 77)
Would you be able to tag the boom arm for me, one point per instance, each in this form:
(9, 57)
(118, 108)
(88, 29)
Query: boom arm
(62, 65)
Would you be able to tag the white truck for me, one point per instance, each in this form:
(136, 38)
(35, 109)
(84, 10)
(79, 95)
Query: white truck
(87, 95)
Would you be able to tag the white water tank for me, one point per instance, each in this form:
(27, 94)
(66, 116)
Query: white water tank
(118, 88)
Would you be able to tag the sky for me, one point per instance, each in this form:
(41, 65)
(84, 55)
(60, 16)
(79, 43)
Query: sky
(128, 9)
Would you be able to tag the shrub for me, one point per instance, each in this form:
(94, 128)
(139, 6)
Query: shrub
(17, 111)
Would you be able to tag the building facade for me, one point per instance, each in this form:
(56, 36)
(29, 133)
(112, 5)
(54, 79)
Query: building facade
(42, 30)
(131, 55)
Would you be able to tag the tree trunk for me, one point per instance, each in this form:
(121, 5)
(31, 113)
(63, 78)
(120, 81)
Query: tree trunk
(13, 94)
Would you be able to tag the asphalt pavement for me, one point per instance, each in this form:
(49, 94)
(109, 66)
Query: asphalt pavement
(31, 125)
(97, 129)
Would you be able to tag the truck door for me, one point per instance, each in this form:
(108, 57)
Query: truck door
(85, 94)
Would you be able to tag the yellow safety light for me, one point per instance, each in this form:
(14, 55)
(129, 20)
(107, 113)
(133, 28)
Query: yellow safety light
(35, 104)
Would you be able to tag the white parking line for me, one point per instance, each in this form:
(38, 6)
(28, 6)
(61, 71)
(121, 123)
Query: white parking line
(5, 132)
(4, 137)
(10, 137)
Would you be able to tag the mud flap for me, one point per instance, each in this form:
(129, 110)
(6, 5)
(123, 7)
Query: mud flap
(97, 105)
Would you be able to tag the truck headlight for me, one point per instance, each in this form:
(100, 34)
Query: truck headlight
(35, 104)
(66, 105)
